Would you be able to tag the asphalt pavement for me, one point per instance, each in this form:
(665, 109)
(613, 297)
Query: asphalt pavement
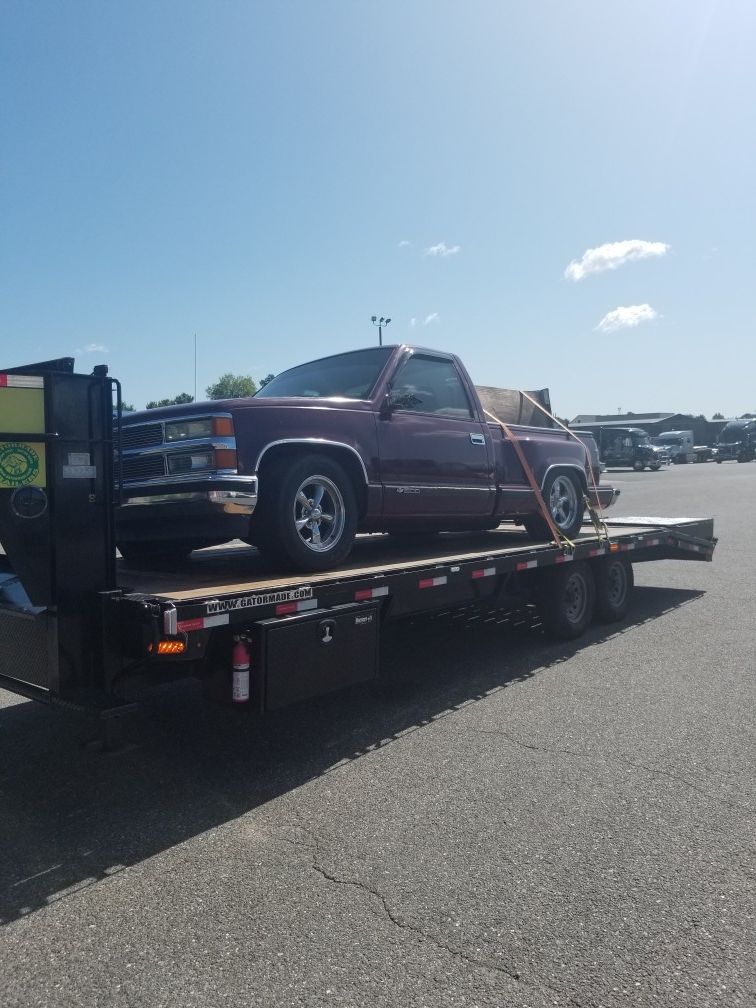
(513, 823)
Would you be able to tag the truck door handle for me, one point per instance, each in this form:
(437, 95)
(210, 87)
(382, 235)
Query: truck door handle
(477, 439)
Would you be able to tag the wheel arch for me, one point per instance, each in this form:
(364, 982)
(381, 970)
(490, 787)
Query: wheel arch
(566, 467)
(346, 456)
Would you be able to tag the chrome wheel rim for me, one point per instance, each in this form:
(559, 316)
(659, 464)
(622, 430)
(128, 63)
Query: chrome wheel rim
(617, 587)
(563, 502)
(575, 598)
(319, 513)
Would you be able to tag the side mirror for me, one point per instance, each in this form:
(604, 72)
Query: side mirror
(387, 406)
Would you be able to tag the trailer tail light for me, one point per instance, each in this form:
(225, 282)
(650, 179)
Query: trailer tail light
(223, 426)
(167, 647)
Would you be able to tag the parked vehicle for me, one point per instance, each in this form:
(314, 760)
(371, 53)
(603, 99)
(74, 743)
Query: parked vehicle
(737, 441)
(387, 439)
(678, 445)
(590, 443)
(627, 447)
(704, 453)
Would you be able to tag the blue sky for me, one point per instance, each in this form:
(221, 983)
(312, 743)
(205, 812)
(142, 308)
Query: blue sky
(271, 175)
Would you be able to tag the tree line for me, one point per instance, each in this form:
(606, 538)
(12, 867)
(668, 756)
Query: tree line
(228, 386)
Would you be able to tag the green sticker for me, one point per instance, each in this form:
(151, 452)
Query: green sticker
(19, 465)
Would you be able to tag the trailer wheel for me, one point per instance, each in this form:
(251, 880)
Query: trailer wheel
(563, 496)
(310, 513)
(565, 598)
(614, 586)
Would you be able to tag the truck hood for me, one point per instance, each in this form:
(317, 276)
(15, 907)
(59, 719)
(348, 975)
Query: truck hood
(161, 413)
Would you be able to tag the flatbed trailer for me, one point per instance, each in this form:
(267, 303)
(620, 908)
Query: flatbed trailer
(82, 630)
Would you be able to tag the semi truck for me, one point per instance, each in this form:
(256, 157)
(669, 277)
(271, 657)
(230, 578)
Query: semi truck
(88, 632)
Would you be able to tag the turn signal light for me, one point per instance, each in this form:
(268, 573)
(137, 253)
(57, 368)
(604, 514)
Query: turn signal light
(168, 647)
(614, 547)
(225, 458)
(223, 426)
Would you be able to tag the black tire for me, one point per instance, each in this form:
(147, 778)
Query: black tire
(567, 518)
(655, 467)
(293, 528)
(638, 466)
(614, 587)
(565, 598)
(718, 461)
(145, 555)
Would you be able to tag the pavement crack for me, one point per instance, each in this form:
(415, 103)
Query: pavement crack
(578, 754)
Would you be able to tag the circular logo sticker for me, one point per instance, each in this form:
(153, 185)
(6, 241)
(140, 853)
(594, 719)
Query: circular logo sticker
(19, 465)
(29, 502)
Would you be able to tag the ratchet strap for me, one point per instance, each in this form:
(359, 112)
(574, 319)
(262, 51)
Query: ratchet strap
(559, 538)
(596, 512)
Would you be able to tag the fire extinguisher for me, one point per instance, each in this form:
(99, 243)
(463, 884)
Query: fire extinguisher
(240, 662)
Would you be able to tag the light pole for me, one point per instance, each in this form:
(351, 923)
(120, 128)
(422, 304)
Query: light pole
(380, 322)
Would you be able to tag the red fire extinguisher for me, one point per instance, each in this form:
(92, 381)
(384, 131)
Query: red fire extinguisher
(240, 661)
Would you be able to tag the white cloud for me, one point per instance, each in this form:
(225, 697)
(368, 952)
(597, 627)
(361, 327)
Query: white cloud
(413, 323)
(613, 255)
(92, 348)
(442, 249)
(433, 317)
(403, 244)
(626, 317)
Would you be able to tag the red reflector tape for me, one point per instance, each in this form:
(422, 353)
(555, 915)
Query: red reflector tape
(627, 546)
(564, 558)
(527, 564)
(432, 582)
(202, 623)
(597, 552)
(484, 572)
(369, 593)
(286, 608)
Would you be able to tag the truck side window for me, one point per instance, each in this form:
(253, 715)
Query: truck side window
(430, 385)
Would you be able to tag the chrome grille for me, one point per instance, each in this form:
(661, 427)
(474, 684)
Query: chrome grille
(146, 467)
(141, 435)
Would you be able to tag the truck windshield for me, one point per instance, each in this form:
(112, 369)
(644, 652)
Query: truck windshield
(641, 439)
(344, 376)
(663, 439)
(732, 432)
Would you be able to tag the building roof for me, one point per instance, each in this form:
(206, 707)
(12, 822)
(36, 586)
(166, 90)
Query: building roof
(621, 419)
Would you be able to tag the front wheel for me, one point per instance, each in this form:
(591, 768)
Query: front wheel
(655, 466)
(309, 513)
(563, 496)
(638, 466)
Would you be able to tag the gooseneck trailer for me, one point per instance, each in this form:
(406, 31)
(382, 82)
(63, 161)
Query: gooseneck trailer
(80, 629)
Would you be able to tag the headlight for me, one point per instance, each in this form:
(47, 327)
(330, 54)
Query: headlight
(191, 462)
(189, 430)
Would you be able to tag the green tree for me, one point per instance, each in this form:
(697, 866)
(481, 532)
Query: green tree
(718, 416)
(268, 378)
(231, 386)
(179, 400)
(127, 407)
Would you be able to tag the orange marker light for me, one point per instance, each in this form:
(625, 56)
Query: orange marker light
(223, 426)
(225, 458)
(168, 647)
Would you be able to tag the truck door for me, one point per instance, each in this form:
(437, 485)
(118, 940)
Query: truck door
(434, 454)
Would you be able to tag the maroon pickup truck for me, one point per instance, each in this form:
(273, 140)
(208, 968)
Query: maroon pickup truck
(387, 439)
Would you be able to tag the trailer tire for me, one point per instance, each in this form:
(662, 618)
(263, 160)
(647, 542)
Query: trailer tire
(294, 528)
(614, 580)
(563, 496)
(565, 598)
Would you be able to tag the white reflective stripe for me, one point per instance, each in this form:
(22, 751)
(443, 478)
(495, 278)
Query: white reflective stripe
(22, 381)
(219, 620)
(307, 604)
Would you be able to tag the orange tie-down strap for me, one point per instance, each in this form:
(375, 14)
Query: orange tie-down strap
(596, 513)
(559, 539)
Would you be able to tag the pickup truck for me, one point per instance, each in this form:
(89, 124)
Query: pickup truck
(385, 439)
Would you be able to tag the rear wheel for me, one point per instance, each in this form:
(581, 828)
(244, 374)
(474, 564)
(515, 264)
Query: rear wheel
(309, 513)
(563, 496)
(565, 598)
(655, 466)
(614, 586)
(638, 465)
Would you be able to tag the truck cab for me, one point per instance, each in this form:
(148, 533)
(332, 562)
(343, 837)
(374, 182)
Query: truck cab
(677, 444)
(629, 447)
(737, 441)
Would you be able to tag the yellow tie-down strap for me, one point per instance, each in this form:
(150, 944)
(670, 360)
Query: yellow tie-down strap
(22, 411)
